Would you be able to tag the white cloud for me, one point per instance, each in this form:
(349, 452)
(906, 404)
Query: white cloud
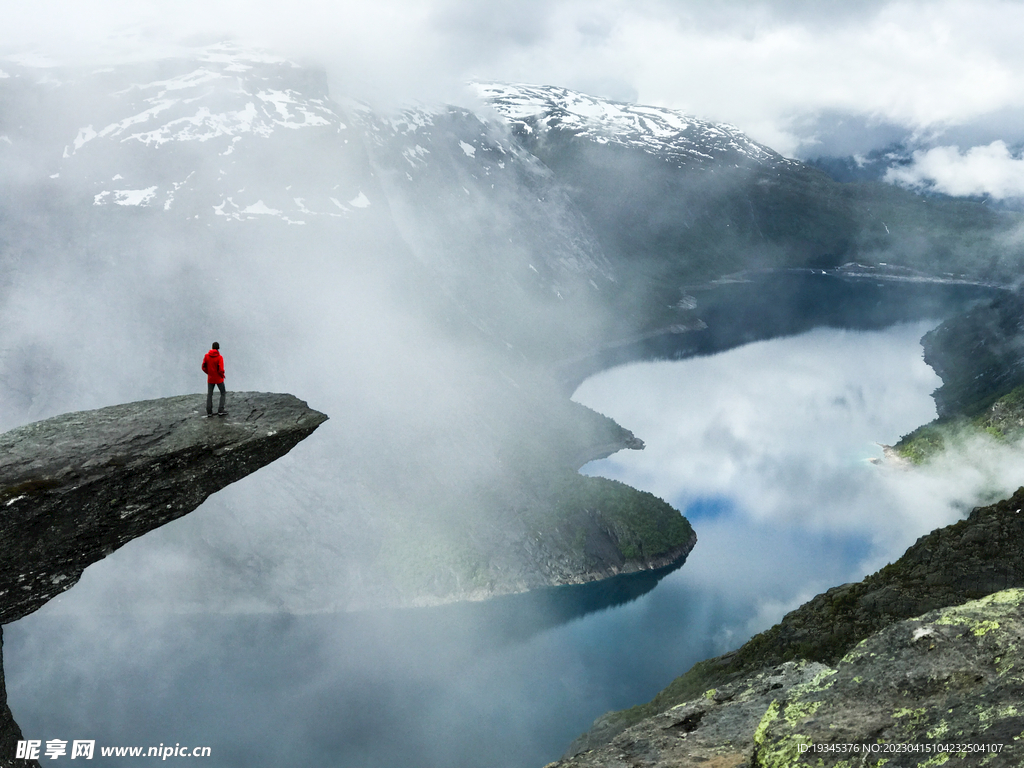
(780, 433)
(765, 449)
(985, 170)
(763, 66)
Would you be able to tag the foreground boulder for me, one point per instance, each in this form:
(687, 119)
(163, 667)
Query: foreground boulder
(76, 487)
(944, 687)
(947, 567)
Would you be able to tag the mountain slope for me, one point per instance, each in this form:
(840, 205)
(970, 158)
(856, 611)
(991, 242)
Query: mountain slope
(676, 200)
(154, 206)
(970, 559)
(422, 277)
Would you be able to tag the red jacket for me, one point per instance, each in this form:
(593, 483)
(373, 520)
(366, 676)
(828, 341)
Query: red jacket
(213, 365)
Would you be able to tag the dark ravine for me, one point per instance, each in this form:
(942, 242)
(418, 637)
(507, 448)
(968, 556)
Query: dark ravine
(970, 559)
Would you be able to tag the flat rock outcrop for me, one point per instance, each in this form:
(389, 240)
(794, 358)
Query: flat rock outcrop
(76, 487)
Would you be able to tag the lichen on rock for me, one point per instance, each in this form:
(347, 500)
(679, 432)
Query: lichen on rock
(947, 683)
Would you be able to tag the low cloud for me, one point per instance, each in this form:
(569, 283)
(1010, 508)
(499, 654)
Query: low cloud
(766, 448)
(991, 170)
(928, 67)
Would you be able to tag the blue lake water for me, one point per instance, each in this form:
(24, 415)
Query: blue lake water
(765, 447)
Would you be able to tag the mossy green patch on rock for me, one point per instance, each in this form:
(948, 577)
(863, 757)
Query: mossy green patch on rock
(718, 730)
(932, 680)
(1002, 420)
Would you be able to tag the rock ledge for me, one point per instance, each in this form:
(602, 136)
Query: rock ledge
(76, 487)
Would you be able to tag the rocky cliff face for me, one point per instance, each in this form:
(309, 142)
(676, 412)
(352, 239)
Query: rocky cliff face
(76, 487)
(10, 733)
(978, 354)
(970, 559)
(943, 687)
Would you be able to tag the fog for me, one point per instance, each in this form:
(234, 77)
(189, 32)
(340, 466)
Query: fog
(990, 170)
(929, 67)
(298, 194)
(414, 316)
(774, 451)
(498, 684)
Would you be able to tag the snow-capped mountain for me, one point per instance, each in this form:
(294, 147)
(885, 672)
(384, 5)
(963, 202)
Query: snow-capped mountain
(401, 273)
(416, 276)
(535, 110)
(477, 207)
(210, 135)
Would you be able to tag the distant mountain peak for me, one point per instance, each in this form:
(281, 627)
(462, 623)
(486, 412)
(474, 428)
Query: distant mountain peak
(673, 135)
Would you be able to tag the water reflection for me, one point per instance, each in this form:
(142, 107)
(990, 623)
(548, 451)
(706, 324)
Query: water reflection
(769, 447)
(763, 446)
(504, 684)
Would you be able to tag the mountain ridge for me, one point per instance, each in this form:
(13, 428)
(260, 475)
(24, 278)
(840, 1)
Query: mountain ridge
(423, 275)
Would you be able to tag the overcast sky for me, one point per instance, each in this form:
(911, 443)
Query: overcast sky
(788, 72)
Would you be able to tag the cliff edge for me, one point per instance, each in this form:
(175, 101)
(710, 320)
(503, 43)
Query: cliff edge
(76, 487)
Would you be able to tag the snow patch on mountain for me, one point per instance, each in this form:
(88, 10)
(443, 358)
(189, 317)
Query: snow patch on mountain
(245, 106)
(672, 135)
(136, 197)
(256, 210)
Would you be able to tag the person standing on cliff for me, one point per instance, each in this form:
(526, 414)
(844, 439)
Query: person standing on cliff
(213, 367)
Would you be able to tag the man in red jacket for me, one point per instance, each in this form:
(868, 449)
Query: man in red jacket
(213, 366)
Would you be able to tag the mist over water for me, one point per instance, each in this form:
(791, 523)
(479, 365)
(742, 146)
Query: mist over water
(771, 450)
(765, 447)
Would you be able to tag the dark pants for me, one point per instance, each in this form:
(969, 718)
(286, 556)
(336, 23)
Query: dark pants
(209, 397)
